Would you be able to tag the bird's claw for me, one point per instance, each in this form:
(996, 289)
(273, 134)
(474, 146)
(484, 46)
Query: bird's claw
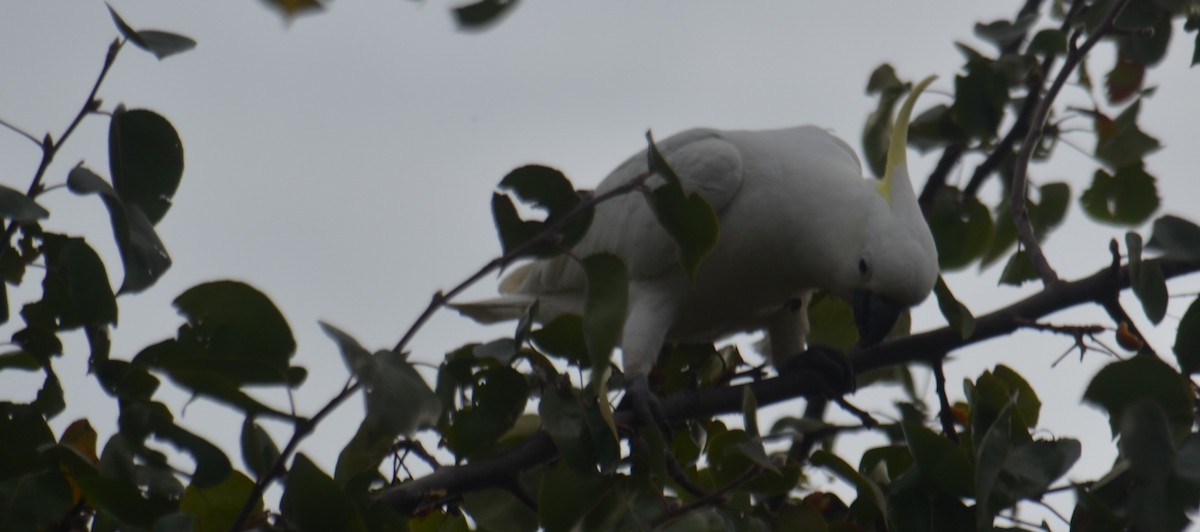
(831, 363)
(647, 408)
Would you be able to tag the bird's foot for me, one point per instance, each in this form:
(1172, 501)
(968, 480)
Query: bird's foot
(647, 408)
(830, 363)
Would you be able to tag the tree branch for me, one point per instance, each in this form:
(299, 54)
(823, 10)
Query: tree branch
(1020, 212)
(929, 347)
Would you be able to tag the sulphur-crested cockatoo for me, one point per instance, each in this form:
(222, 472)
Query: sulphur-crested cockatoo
(796, 215)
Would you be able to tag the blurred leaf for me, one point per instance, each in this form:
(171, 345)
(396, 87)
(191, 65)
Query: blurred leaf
(605, 306)
(24, 432)
(961, 231)
(869, 492)
(358, 360)
(498, 399)
(1147, 280)
(1143, 377)
(878, 130)
(1187, 339)
(564, 497)
(563, 338)
(1004, 33)
(990, 456)
(18, 207)
(50, 400)
(76, 277)
(497, 510)
(1048, 42)
(549, 190)
(1149, 45)
(502, 350)
(34, 501)
(1127, 198)
(979, 99)
(482, 14)
(159, 43)
(145, 157)
(217, 507)
(1124, 80)
(1193, 24)
(398, 401)
(1029, 407)
(293, 8)
(314, 502)
(143, 255)
(564, 420)
(1147, 442)
(1177, 237)
(124, 380)
(940, 460)
(935, 127)
(1120, 143)
(688, 218)
(259, 452)
(1018, 270)
(19, 360)
(957, 314)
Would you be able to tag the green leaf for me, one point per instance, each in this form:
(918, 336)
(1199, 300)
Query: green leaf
(358, 360)
(233, 331)
(160, 43)
(143, 255)
(1147, 280)
(957, 314)
(869, 493)
(877, 132)
(1018, 270)
(990, 457)
(259, 452)
(34, 501)
(1004, 33)
(980, 97)
(1120, 143)
(547, 189)
(1029, 407)
(498, 510)
(1187, 339)
(961, 231)
(605, 307)
(398, 401)
(564, 420)
(1143, 377)
(497, 402)
(1147, 442)
(314, 502)
(1127, 198)
(564, 497)
(483, 14)
(18, 207)
(75, 273)
(1178, 238)
(217, 507)
(563, 338)
(940, 460)
(1049, 43)
(688, 218)
(212, 466)
(1124, 80)
(145, 157)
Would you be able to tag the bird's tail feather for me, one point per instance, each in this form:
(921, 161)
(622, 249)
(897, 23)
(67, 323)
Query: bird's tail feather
(507, 307)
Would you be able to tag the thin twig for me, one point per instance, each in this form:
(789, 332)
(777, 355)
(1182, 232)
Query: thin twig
(714, 498)
(50, 147)
(20, 132)
(1020, 212)
(945, 415)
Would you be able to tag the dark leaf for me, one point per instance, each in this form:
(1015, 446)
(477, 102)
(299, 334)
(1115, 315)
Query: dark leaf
(1127, 198)
(75, 272)
(18, 207)
(957, 314)
(1177, 237)
(688, 218)
(25, 432)
(50, 400)
(869, 493)
(605, 307)
(142, 253)
(212, 466)
(498, 510)
(935, 127)
(1142, 378)
(1124, 80)
(1187, 339)
(980, 97)
(483, 14)
(398, 401)
(312, 501)
(292, 8)
(159, 43)
(563, 338)
(961, 231)
(545, 188)
(1120, 143)
(1018, 270)
(1003, 33)
(878, 129)
(145, 157)
(1048, 42)
(564, 420)
(258, 450)
(565, 497)
(1147, 442)
(217, 507)
(940, 460)
(1147, 280)
(1028, 405)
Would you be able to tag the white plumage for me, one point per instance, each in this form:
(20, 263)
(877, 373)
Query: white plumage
(796, 215)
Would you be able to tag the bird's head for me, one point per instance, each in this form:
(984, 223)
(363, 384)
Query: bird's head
(897, 265)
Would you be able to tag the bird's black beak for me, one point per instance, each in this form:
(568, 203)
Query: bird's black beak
(875, 316)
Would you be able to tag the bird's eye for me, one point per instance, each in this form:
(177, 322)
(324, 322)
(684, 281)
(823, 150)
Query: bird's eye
(862, 266)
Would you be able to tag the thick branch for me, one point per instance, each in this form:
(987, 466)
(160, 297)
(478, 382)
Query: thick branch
(927, 347)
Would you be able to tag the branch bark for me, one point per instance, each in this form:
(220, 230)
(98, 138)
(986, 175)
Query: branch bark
(928, 347)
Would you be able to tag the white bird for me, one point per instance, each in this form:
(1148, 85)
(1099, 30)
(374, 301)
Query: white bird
(796, 215)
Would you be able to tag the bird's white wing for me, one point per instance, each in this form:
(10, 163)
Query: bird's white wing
(625, 226)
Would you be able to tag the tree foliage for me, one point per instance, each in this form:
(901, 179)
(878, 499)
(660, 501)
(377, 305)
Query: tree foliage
(528, 420)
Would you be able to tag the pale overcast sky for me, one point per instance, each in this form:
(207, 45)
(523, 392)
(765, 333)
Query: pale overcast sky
(344, 163)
